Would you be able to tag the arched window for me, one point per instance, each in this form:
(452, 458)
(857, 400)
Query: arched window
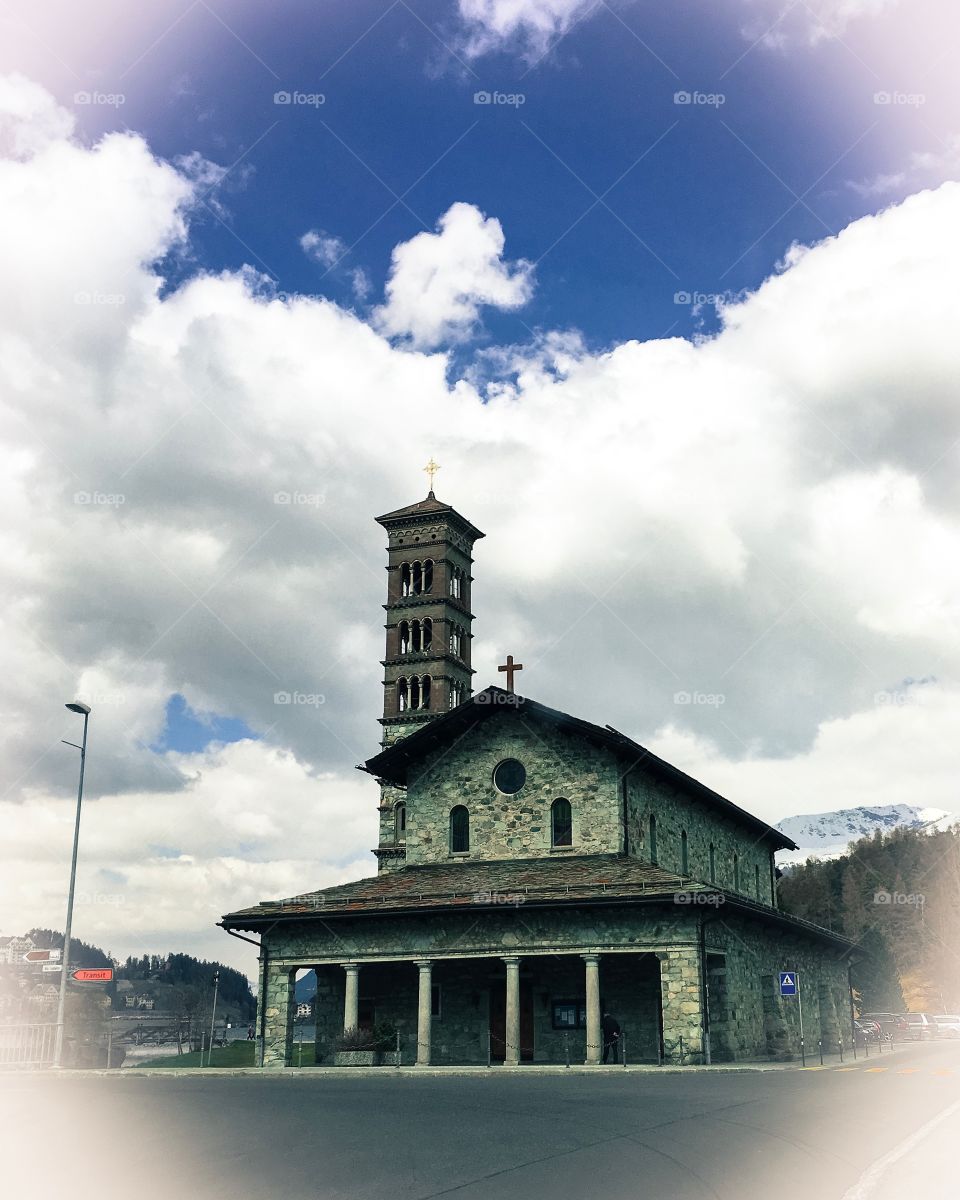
(713, 863)
(456, 582)
(425, 692)
(416, 642)
(684, 854)
(459, 830)
(414, 692)
(416, 578)
(561, 823)
(653, 838)
(426, 633)
(404, 579)
(400, 822)
(403, 695)
(456, 694)
(736, 872)
(404, 633)
(428, 575)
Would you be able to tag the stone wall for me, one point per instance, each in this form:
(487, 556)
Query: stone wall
(676, 813)
(515, 826)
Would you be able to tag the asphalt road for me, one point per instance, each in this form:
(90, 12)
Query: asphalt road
(885, 1129)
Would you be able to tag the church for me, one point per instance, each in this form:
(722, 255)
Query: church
(537, 871)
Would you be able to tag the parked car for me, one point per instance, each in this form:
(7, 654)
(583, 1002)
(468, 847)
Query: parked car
(947, 1026)
(886, 1021)
(867, 1031)
(916, 1026)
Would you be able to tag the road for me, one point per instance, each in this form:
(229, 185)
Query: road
(884, 1129)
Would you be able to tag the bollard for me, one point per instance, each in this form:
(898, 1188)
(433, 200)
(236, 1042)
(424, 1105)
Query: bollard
(623, 1041)
(803, 1054)
(566, 1050)
(820, 1047)
(840, 1044)
(398, 1050)
(866, 1047)
(489, 1048)
(659, 1052)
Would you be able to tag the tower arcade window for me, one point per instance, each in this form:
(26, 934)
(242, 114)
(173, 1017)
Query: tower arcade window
(403, 695)
(561, 822)
(403, 635)
(459, 830)
(456, 694)
(456, 582)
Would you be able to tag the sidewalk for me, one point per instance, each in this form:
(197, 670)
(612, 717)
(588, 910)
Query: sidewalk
(813, 1064)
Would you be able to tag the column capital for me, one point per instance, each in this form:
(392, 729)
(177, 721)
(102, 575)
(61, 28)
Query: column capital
(512, 960)
(425, 964)
(590, 958)
(350, 966)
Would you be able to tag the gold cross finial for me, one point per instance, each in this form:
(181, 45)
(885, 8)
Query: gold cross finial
(431, 469)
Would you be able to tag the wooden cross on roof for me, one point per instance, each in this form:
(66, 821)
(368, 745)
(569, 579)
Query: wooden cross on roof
(510, 667)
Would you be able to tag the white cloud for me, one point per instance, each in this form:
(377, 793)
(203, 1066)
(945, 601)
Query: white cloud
(532, 25)
(324, 248)
(439, 281)
(770, 514)
(775, 23)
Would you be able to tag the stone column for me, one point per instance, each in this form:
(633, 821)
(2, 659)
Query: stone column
(277, 1016)
(594, 1031)
(424, 1006)
(511, 1034)
(682, 1005)
(351, 996)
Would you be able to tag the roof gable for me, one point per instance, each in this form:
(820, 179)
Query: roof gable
(393, 763)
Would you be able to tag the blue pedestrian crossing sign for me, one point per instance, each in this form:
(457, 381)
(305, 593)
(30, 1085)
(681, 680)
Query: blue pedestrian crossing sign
(788, 983)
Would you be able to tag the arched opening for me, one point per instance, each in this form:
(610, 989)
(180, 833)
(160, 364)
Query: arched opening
(403, 695)
(400, 823)
(416, 578)
(404, 579)
(684, 854)
(426, 633)
(404, 637)
(428, 575)
(425, 692)
(416, 642)
(653, 838)
(414, 693)
(561, 822)
(459, 830)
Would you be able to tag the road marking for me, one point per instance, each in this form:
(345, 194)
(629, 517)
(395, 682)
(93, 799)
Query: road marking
(866, 1185)
(838, 1069)
(909, 1071)
(876, 1070)
(944, 1071)
(813, 1068)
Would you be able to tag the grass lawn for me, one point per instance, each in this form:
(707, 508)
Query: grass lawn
(237, 1054)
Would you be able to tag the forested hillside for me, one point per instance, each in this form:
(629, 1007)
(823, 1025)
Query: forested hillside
(897, 895)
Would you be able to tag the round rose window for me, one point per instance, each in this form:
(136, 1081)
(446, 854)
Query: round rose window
(510, 776)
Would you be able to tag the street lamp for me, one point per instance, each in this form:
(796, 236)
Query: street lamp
(84, 710)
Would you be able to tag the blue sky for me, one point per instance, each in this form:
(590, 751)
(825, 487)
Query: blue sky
(703, 198)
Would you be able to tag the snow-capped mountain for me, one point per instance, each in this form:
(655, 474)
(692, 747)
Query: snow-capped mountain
(827, 835)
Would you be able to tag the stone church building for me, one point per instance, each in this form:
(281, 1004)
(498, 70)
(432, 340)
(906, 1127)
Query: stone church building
(536, 871)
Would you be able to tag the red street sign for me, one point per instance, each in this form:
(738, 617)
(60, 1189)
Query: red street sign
(37, 956)
(93, 974)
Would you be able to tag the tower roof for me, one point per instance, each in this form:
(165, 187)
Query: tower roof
(431, 507)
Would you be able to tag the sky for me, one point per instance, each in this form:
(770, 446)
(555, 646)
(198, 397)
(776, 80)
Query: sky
(668, 290)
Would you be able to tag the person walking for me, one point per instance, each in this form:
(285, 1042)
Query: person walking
(611, 1035)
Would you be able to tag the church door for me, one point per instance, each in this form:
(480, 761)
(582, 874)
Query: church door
(498, 1022)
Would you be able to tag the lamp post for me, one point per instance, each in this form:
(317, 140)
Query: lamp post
(84, 710)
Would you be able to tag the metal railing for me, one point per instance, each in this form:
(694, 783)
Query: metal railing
(31, 1045)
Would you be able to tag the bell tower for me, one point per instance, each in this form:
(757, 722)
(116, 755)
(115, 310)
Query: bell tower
(426, 668)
